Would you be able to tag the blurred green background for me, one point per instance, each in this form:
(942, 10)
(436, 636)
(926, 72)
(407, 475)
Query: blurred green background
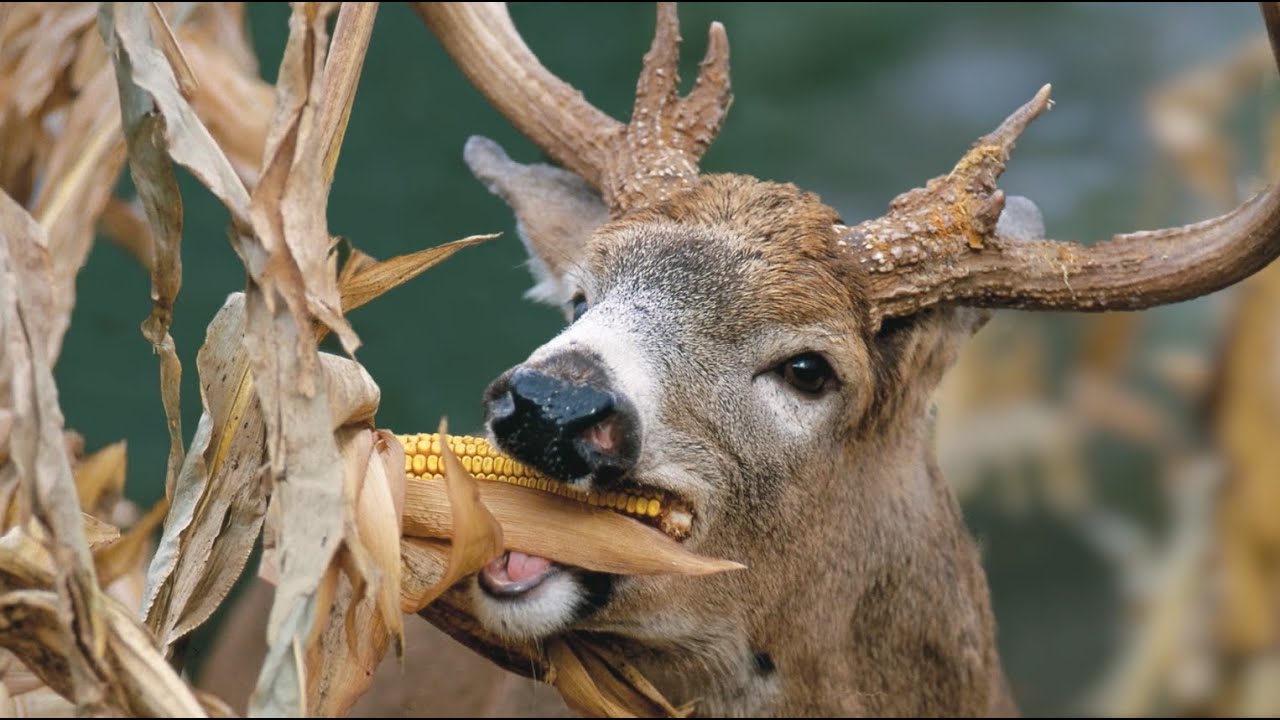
(855, 102)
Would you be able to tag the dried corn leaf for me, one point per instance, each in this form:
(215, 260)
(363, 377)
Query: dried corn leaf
(213, 706)
(578, 688)
(364, 278)
(1247, 415)
(78, 178)
(24, 695)
(341, 76)
(288, 211)
(127, 30)
(564, 530)
(612, 670)
(365, 617)
(152, 687)
(99, 534)
(33, 628)
(424, 561)
(598, 682)
(40, 42)
(130, 677)
(234, 102)
(168, 44)
(476, 538)
(31, 322)
(157, 187)
(220, 496)
(129, 552)
(100, 479)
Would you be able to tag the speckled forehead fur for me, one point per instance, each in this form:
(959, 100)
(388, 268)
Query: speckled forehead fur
(770, 248)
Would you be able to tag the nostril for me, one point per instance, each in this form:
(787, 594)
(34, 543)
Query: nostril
(604, 437)
(565, 428)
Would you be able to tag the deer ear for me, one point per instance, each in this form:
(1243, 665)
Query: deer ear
(556, 212)
(1020, 219)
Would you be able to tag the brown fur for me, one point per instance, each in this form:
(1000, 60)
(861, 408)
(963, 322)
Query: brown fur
(864, 588)
(864, 594)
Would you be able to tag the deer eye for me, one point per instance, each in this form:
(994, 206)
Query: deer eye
(810, 373)
(579, 306)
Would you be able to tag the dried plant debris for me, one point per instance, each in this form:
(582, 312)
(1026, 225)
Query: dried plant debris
(285, 448)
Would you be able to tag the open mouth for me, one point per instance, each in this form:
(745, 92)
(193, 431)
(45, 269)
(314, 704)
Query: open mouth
(514, 574)
(652, 506)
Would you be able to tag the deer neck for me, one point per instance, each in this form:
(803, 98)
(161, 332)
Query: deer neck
(889, 615)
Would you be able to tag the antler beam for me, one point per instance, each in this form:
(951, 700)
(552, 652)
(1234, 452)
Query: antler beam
(941, 244)
(632, 165)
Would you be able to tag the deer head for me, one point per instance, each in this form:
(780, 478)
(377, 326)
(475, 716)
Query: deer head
(736, 345)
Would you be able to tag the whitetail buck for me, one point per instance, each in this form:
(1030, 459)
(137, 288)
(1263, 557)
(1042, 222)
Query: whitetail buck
(735, 344)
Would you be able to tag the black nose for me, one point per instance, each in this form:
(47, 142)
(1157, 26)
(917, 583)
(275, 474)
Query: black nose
(564, 428)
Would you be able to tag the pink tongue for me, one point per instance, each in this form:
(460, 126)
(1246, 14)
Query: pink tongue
(521, 567)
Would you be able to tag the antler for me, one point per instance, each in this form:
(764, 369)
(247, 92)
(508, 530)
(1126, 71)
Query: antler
(942, 244)
(632, 165)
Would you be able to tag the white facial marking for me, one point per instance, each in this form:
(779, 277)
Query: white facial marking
(607, 332)
(543, 611)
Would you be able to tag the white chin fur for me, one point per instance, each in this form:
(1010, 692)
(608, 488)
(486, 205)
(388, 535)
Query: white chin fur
(545, 610)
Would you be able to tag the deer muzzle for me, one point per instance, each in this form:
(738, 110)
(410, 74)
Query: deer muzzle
(564, 419)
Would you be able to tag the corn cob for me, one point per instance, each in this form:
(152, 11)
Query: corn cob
(422, 459)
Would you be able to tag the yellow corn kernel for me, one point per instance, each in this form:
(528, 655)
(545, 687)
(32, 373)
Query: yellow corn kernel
(423, 458)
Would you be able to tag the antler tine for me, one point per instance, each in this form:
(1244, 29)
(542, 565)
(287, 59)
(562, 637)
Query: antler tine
(708, 102)
(658, 154)
(632, 165)
(659, 75)
(941, 244)
(702, 111)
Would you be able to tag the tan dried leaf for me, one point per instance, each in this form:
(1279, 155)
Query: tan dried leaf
(564, 530)
(127, 676)
(24, 695)
(100, 479)
(365, 617)
(220, 495)
(476, 538)
(99, 534)
(598, 681)
(126, 27)
(232, 99)
(300, 289)
(129, 552)
(32, 318)
(364, 279)
(341, 76)
(424, 561)
(1247, 415)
